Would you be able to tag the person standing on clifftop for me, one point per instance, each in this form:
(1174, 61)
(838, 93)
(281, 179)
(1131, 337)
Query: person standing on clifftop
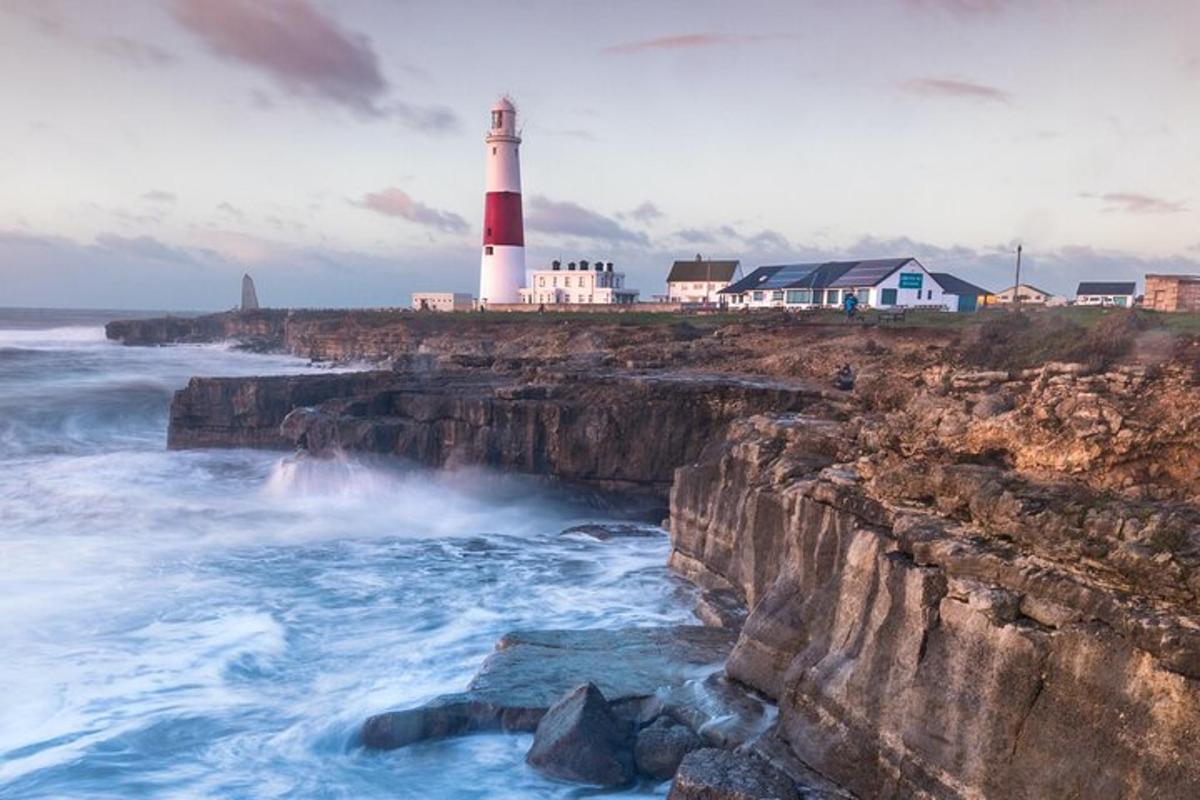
(850, 304)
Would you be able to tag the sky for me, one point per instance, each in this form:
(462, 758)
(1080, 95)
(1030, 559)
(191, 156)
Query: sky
(151, 151)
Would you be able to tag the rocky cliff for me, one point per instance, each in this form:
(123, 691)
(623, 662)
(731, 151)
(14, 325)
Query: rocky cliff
(935, 628)
(612, 430)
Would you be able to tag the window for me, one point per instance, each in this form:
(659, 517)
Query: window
(831, 297)
(487, 251)
(758, 296)
(887, 297)
(497, 120)
(800, 296)
(567, 281)
(777, 296)
(493, 151)
(541, 280)
(929, 294)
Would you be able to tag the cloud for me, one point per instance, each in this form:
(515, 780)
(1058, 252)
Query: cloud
(572, 133)
(431, 119)
(144, 247)
(695, 236)
(687, 41)
(230, 210)
(760, 243)
(39, 270)
(395, 202)
(137, 53)
(49, 21)
(1135, 203)
(956, 89)
(962, 8)
(159, 196)
(306, 53)
(572, 219)
(646, 213)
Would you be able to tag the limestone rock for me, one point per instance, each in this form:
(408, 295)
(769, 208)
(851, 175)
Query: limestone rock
(712, 774)
(580, 740)
(661, 746)
(532, 670)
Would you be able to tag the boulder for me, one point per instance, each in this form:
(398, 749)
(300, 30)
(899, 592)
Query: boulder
(712, 774)
(581, 740)
(661, 746)
(531, 670)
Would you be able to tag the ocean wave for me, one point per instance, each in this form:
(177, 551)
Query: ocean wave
(51, 338)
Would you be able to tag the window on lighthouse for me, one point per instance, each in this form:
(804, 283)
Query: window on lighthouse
(497, 119)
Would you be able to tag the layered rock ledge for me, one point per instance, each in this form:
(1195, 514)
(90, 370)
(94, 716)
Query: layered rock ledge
(934, 630)
(616, 430)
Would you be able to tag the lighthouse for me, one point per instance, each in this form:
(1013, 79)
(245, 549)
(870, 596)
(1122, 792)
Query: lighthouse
(502, 269)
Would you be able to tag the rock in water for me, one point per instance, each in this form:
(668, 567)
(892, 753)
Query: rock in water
(581, 740)
(712, 774)
(249, 295)
(662, 745)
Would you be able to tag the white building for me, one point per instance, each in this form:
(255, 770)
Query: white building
(442, 301)
(701, 280)
(582, 283)
(1030, 295)
(877, 283)
(1106, 293)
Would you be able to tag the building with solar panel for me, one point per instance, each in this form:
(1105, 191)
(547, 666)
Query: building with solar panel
(877, 283)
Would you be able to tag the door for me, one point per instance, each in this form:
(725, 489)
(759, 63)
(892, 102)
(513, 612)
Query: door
(967, 302)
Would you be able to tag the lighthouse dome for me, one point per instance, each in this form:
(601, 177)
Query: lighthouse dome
(503, 104)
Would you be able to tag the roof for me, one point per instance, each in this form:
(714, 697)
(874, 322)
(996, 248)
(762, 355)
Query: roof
(1173, 276)
(819, 275)
(1106, 287)
(1027, 286)
(698, 270)
(955, 285)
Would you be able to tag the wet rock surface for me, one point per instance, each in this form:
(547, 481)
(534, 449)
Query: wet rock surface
(661, 746)
(580, 740)
(713, 774)
(532, 670)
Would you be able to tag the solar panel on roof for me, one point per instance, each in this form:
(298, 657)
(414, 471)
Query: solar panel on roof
(868, 273)
(787, 275)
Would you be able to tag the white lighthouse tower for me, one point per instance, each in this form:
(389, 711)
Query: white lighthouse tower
(502, 269)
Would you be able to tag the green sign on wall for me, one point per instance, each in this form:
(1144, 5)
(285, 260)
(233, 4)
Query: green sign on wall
(910, 280)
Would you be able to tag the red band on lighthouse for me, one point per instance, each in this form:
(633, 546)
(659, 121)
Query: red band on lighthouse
(502, 223)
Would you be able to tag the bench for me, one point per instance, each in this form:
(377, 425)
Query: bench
(893, 315)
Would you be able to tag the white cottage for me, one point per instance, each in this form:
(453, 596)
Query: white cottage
(878, 283)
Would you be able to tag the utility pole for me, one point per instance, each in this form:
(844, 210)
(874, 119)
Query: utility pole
(1017, 285)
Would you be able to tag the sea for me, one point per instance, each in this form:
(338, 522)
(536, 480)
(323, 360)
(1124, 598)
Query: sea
(218, 623)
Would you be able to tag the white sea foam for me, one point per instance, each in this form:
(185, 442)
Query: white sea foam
(217, 623)
(36, 338)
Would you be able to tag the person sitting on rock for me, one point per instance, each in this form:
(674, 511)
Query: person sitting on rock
(844, 378)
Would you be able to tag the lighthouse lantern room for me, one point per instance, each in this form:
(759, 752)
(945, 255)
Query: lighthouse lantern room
(502, 269)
